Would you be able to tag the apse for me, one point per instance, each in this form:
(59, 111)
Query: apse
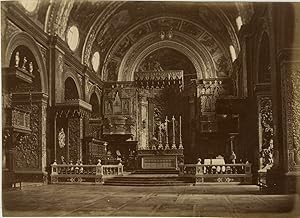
(165, 59)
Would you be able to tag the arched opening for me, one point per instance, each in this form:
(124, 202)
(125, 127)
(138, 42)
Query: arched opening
(23, 58)
(169, 101)
(94, 101)
(70, 89)
(24, 139)
(264, 68)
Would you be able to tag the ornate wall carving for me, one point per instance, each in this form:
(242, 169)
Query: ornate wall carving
(291, 107)
(266, 131)
(74, 139)
(291, 112)
(28, 147)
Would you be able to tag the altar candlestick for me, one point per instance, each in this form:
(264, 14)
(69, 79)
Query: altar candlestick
(153, 126)
(173, 144)
(159, 136)
(180, 136)
(167, 135)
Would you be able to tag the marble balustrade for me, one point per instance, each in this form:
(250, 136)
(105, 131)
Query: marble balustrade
(222, 173)
(74, 173)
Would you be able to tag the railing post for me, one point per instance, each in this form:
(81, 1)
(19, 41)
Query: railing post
(199, 169)
(181, 169)
(248, 175)
(120, 169)
(54, 168)
(99, 169)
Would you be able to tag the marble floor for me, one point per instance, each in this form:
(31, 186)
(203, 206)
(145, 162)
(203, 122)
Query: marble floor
(94, 200)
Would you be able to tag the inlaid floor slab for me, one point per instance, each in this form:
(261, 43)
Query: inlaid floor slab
(91, 200)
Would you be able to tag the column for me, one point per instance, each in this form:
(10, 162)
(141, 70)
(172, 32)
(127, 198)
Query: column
(291, 125)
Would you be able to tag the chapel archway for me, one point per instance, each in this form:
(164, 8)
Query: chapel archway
(94, 101)
(71, 91)
(168, 100)
(25, 103)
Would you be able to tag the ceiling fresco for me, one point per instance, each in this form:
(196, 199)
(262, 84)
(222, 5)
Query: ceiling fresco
(113, 27)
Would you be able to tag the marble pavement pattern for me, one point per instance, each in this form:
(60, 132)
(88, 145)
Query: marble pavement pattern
(92, 200)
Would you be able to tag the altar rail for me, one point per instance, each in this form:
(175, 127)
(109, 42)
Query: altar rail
(213, 173)
(66, 173)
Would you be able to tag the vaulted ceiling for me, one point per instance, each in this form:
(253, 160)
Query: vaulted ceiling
(117, 30)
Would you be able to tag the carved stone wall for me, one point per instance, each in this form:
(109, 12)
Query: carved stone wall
(75, 143)
(291, 112)
(266, 131)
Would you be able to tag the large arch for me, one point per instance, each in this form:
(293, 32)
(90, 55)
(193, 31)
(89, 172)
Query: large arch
(199, 58)
(23, 38)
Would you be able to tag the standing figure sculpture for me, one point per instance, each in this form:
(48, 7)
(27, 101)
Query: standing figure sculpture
(17, 59)
(24, 63)
(61, 138)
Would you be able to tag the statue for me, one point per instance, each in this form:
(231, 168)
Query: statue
(24, 63)
(17, 59)
(61, 138)
(30, 67)
(62, 158)
(232, 157)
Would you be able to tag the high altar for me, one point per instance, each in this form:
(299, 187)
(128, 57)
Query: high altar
(137, 113)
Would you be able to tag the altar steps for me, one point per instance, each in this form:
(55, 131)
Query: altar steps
(157, 171)
(140, 180)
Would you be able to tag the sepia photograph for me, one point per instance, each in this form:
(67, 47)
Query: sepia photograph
(150, 108)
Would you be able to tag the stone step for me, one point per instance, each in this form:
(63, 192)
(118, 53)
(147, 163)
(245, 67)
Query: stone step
(156, 171)
(133, 178)
(147, 180)
(146, 184)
